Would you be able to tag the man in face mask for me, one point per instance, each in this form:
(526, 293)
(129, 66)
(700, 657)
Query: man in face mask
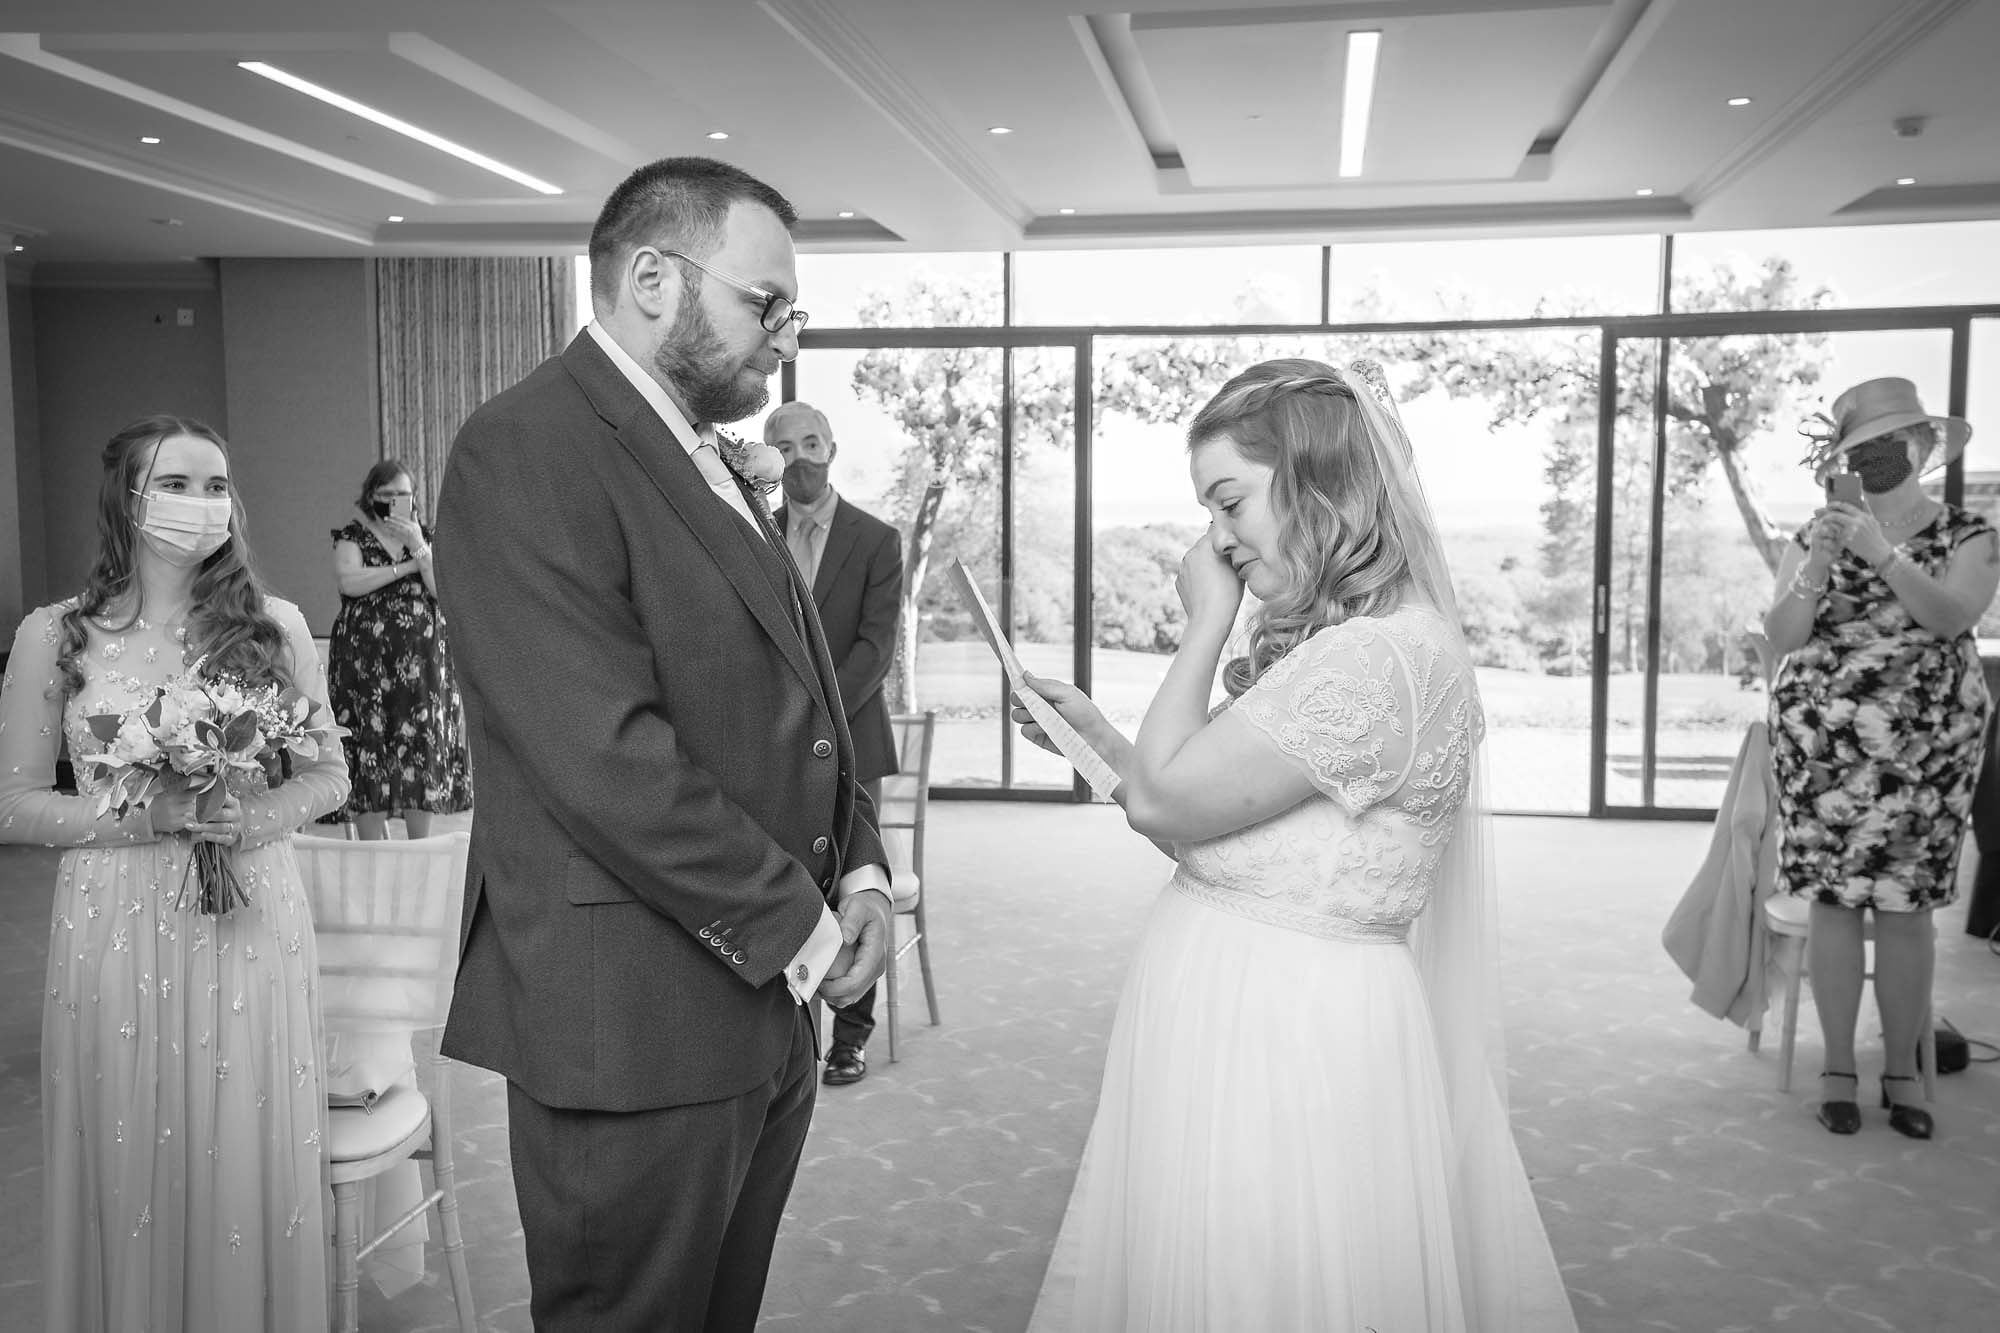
(853, 562)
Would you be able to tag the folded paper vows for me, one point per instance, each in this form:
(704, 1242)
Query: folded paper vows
(1099, 774)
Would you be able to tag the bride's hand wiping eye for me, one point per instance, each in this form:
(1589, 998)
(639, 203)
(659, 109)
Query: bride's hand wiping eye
(1210, 586)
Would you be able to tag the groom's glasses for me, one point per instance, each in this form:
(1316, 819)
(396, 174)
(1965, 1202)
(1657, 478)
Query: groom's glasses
(778, 310)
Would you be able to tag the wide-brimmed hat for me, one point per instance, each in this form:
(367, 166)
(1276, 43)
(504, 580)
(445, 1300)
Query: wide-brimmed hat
(1872, 409)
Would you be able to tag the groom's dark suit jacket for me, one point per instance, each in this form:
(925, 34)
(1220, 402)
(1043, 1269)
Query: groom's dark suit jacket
(666, 784)
(859, 591)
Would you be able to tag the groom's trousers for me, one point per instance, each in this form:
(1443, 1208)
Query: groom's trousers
(659, 1221)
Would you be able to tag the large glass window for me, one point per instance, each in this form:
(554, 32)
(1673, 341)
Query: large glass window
(900, 291)
(1982, 454)
(920, 445)
(1196, 285)
(1933, 263)
(1695, 545)
(1504, 427)
(1498, 279)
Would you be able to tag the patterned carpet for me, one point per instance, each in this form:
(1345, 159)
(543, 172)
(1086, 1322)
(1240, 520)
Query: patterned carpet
(1682, 1191)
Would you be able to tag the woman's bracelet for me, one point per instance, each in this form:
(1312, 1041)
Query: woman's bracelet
(420, 552)
(1889, 562)
(1809, 588)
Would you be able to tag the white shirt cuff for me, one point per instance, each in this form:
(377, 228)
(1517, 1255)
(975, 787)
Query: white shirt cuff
(866, 877)
(808, 967)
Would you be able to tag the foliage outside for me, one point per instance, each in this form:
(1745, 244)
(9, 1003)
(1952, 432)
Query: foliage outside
(1525, 610)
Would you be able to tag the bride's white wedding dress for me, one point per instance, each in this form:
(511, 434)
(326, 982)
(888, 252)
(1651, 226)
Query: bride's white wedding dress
(1280, 1146)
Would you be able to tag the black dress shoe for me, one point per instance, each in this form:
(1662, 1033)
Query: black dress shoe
(1912, 1122)
(845, 1064)
(1840, 1117)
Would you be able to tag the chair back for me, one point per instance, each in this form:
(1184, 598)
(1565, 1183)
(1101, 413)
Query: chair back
(386, 914)
(906, 795)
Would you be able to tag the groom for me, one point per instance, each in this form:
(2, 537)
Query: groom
(667, 803)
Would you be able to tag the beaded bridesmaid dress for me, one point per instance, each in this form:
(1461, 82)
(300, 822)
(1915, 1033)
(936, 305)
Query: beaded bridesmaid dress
(182, 1096)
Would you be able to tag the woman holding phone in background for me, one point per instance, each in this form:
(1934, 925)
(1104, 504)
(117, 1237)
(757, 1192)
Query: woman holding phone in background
(1878, 724)
(391, 681)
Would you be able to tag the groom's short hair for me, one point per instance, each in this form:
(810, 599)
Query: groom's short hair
(676, 203)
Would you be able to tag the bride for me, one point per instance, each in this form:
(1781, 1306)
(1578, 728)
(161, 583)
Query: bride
(1303, 1124)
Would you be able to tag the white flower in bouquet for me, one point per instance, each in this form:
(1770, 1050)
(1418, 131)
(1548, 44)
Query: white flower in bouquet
(134, 743)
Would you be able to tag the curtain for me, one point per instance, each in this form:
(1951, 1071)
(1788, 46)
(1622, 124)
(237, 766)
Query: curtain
(451, 333)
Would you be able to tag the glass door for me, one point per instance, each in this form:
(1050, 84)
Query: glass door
(1701, 488)
(970, 450)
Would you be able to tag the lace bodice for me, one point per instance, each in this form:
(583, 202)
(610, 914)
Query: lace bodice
(119, 670)
(1382, 714)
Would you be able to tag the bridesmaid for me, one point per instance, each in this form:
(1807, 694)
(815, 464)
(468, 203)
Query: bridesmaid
(182, 1098)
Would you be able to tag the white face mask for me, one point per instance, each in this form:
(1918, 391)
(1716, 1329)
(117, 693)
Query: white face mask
(184, 529)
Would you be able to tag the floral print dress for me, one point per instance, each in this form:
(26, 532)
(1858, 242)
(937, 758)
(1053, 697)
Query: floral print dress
(392, 686)
(1878, 727)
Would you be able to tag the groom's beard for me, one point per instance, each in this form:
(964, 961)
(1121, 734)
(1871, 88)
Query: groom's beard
(712, 384)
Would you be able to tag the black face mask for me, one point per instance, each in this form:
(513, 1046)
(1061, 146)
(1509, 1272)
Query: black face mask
(805, 481)
(1884, 464)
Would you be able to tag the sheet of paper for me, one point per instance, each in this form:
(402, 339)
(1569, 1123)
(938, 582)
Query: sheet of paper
(1102, 778)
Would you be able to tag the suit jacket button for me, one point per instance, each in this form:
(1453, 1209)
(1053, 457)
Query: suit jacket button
(820, 845)
(822, 747)
(737, 958)
(704, 932)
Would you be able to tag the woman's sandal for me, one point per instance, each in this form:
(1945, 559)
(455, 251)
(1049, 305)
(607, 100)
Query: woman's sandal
(1841, 1117)
(1910, 1121)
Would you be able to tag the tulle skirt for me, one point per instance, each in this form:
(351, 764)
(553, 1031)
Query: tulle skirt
(1272, 1152)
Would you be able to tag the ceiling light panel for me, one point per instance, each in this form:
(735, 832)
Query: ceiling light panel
(1457, 97)
(198, 160)
(408, 129)
(212, 81)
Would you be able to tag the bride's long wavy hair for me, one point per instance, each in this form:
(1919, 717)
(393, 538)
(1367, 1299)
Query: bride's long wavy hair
(1340, 554)
(226, 622)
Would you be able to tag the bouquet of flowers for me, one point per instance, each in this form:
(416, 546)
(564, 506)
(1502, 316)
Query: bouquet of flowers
(210, 735)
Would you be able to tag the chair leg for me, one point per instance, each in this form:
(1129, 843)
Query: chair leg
(444, 1176)
(889, 983)
(1789, 1037)
(346, 1266)
(1927, 1054)
(924, 962)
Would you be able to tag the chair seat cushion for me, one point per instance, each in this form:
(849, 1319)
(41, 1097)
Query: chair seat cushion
(905, 887)
(1785, 914)
(354, 1135)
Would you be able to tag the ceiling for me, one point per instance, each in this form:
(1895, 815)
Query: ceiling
(1185, 122)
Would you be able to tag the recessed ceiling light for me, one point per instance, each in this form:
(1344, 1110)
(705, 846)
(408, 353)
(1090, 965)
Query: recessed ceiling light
(998, 129)
(1357, 99)
(395, 217)
(1065, 211)
(19, 248)
(1643, 191)
(1906, 180)
(149, 138)
(403, 127)
(847, 212)
(168, 222)
(718, 134)
(1739, 101)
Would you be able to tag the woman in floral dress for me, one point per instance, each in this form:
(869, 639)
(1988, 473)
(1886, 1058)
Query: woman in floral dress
(1878, 727)
(182, 1099)
(390, 673)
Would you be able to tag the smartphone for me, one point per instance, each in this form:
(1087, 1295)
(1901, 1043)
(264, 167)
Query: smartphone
(379, 508)
(1844, 486)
